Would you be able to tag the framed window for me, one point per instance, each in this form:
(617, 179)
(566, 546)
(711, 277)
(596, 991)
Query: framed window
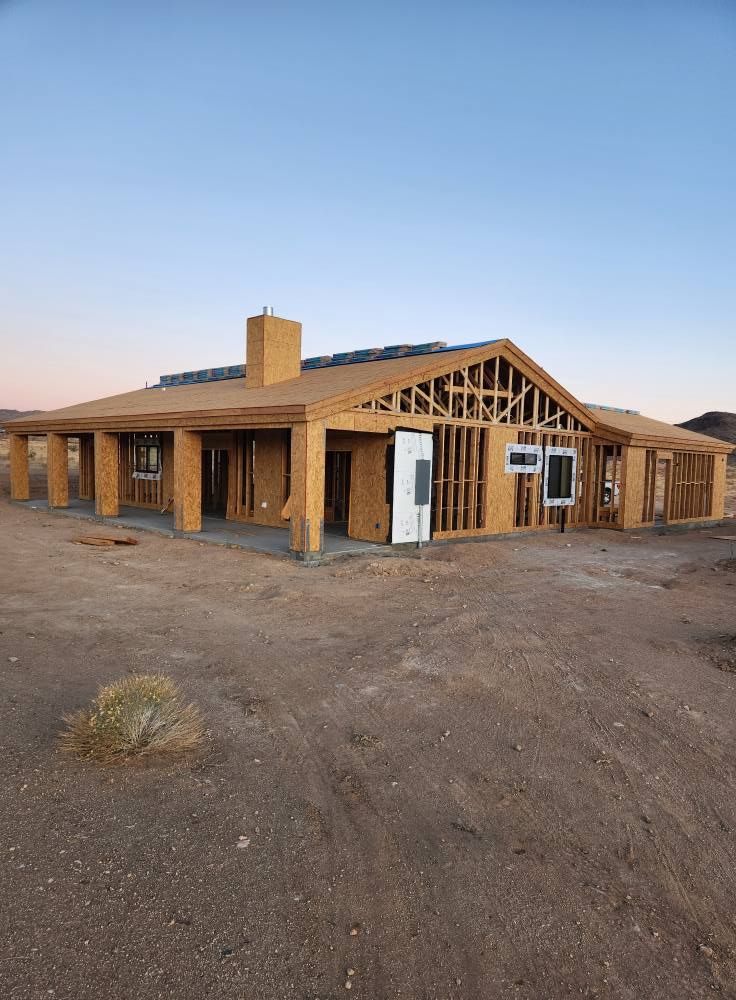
(523, 458)
(560, 473)
(147, 457)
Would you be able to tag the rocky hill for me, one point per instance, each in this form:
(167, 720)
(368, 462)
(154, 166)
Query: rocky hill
(12, 414)
(716, 424)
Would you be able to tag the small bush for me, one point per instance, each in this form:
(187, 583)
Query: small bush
(142, 714)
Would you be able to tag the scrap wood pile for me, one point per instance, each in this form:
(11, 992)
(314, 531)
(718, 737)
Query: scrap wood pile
(107, 541)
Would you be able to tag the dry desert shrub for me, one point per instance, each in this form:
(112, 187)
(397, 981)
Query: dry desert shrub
(141, 714)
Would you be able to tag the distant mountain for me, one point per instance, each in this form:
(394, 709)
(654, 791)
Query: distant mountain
(714, 424)
(12, 414)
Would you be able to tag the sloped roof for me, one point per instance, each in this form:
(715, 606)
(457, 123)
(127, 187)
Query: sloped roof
(637, 429)
(322, 391)
(230, 397)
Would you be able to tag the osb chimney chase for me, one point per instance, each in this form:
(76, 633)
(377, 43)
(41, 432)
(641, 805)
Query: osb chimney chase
(273, 350)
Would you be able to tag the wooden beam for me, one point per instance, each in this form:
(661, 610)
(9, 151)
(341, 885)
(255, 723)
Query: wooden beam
(20, 487)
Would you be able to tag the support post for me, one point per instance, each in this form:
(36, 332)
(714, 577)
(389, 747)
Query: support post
(187, 480)
(307, 508)
(20, 486)
(107, 499)
(57, 470)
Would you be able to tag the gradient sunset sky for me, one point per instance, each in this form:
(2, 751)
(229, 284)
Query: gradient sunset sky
(560, 173)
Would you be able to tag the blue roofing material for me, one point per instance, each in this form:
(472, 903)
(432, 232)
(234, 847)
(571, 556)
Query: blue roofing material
(325, 361)
(612, 409)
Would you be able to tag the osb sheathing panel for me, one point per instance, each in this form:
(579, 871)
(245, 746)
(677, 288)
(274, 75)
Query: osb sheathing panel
(268, 478)
(19, 478)
(631, 490)
(307, 486)
(719, 486)
(369, 514)
(187, 480)
(314, 394)
(501, 484)
(273, 350)
(57, 470)
(106, 459)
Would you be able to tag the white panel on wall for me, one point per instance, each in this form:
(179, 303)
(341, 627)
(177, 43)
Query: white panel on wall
(410, 447)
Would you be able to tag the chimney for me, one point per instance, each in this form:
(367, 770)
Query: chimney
(273, 351)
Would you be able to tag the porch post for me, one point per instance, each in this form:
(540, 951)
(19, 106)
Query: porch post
(631, 492)
(57, 470)
(187, 480)
(19, 479)
(307, 507)
(107, 500)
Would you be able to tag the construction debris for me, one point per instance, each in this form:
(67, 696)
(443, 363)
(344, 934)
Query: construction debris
(106, 540)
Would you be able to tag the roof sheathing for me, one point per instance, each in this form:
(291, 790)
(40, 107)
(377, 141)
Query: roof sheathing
(322, 392)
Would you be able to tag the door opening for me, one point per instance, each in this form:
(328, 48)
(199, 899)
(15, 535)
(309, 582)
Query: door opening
(337, 487)
(214, 481)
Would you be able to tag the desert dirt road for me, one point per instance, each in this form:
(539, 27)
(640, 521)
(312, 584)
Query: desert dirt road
(498, 770)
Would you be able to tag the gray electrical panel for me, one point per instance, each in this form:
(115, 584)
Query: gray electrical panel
(422, 483)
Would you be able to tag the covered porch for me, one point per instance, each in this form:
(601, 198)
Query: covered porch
(299, 488)
(215, 530)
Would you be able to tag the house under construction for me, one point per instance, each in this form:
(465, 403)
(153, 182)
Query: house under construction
(394, 444)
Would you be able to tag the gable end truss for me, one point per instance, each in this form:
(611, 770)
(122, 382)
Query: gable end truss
(491, 391)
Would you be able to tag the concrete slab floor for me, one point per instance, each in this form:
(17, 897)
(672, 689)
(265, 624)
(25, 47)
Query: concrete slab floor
(215, 530)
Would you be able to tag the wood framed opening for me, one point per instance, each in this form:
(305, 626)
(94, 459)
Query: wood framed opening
(214, 481)
(460, 478)
(607, 483)
(337, 486)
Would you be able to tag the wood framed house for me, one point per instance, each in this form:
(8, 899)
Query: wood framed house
(297, 444)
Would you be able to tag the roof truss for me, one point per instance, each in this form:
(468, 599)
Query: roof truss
(493, 390)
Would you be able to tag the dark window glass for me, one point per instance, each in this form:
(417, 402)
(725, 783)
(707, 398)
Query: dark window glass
(559, 477)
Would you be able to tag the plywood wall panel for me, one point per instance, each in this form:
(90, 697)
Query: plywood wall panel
(501, 484)
(633, 487)
(268, 477)
(106, 458)
(57, 469)
(719, 487)
(307, 486)
(19, 478)
(187, 480)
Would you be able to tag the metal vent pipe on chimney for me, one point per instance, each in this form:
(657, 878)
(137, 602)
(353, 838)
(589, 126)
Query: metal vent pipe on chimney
(268, 310)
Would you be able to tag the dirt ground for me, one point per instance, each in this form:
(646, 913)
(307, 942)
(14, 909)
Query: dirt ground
(498, 770)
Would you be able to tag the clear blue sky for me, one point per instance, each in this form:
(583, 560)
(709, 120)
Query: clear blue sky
(560, 173)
